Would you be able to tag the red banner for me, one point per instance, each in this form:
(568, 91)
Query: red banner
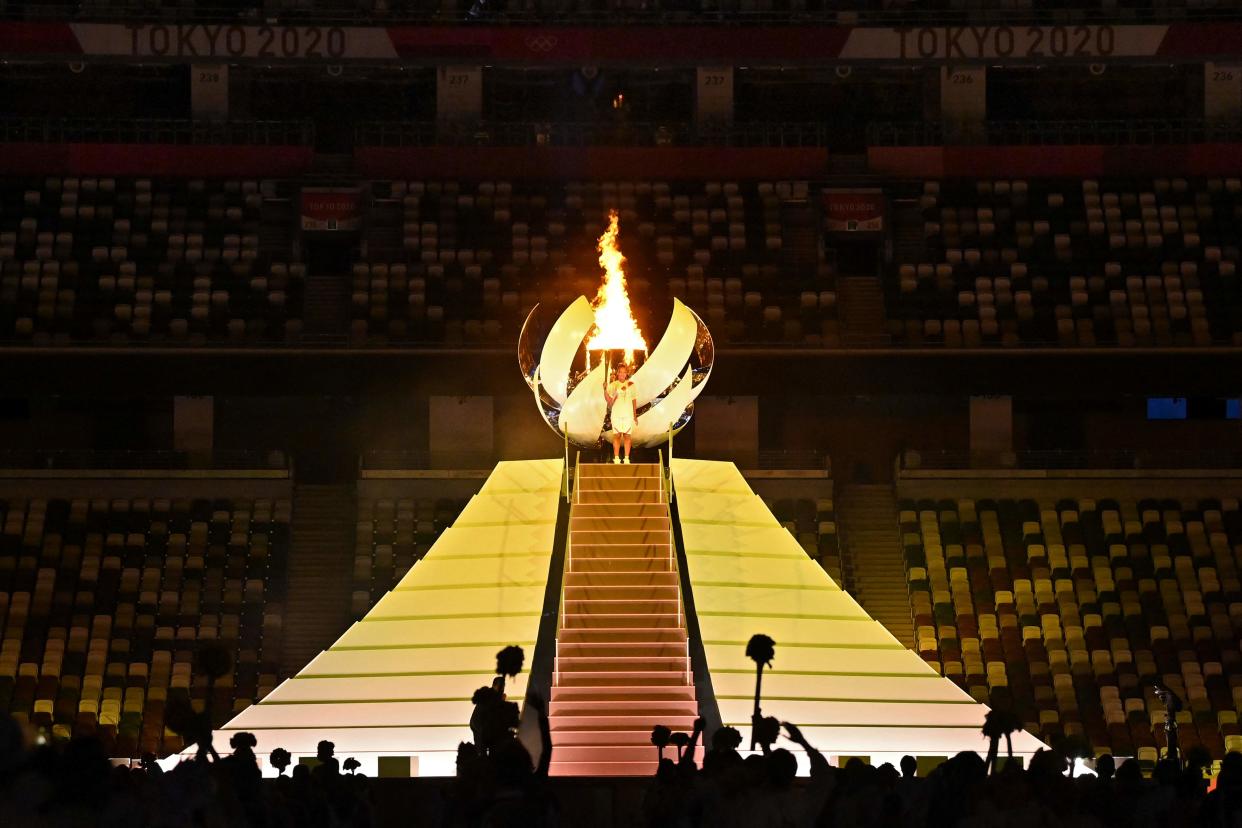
(854, 211)
(328, 209)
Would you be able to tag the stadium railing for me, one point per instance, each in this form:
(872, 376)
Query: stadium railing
(413, 459)
(633, 133)
(83, 460)
(1216, 459)
(155, 131)
(793, 460)
(1129, 132)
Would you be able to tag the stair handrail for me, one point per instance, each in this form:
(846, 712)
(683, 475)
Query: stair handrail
(673, 562)
(660, 461)
(670, 463)
(566, 433)
(569, 558)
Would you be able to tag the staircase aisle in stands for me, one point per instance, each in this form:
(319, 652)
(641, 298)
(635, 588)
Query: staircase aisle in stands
(317, 609)
(867, 516)
(863, 318)
(622, 654)
(326, 307)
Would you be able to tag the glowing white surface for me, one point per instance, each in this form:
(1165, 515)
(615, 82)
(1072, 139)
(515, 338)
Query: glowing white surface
(399, 681)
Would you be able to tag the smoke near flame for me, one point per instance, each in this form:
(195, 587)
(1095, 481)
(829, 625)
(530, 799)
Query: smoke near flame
(615, 326)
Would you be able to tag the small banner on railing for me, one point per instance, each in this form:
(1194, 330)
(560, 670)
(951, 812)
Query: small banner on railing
(331, 209)
(854, 211)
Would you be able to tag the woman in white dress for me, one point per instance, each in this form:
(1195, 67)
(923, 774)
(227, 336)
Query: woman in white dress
(620, 396)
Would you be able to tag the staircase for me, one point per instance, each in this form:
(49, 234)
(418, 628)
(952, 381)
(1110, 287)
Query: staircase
(326, 307)
(869, 524)
(277, 218)
(909, 241)
(800, 234)
(622, 653)
(384, 236)
(317, 607)
(864, 322)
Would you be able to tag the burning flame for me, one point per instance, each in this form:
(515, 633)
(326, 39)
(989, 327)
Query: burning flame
(615, 327)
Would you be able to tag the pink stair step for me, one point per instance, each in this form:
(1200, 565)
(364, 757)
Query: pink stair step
(565, 754)
(603, 736)
(594, 607)
(658, 551)
(660, 564)
(622, 592)
(622, 497)
(596, 769)
(656, 522)
(590, 470)
(604, 769)
(649, 483)
(632, 649)
(654, 709)
(674, 693)
(612, 663)
(621, 513)
(608, 537)
(617, 579)
(639, 720)
(599, 620)
(616, 635)
(624, 678)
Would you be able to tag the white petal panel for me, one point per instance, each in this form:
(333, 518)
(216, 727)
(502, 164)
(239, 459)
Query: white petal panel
(656, 420)
(583, 414)
(561, 346)
(671, 353)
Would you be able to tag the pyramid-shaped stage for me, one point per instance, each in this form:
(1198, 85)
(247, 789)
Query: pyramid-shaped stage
(852, 687)
(398, 683)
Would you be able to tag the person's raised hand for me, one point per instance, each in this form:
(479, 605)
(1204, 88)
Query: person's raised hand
(795, 734)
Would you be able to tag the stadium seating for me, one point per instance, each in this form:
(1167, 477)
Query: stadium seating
(1071, 263)
(391, 536)
(1070, 610)
(103, 604)
(140, 260)
(470, 260)
(1011, 263)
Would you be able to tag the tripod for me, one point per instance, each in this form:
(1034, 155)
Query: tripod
(1172, 706)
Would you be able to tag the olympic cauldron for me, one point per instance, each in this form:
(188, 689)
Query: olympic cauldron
(568, 380)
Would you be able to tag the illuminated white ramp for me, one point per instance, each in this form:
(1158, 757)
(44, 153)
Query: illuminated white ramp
(398, 683)
(852, 687)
